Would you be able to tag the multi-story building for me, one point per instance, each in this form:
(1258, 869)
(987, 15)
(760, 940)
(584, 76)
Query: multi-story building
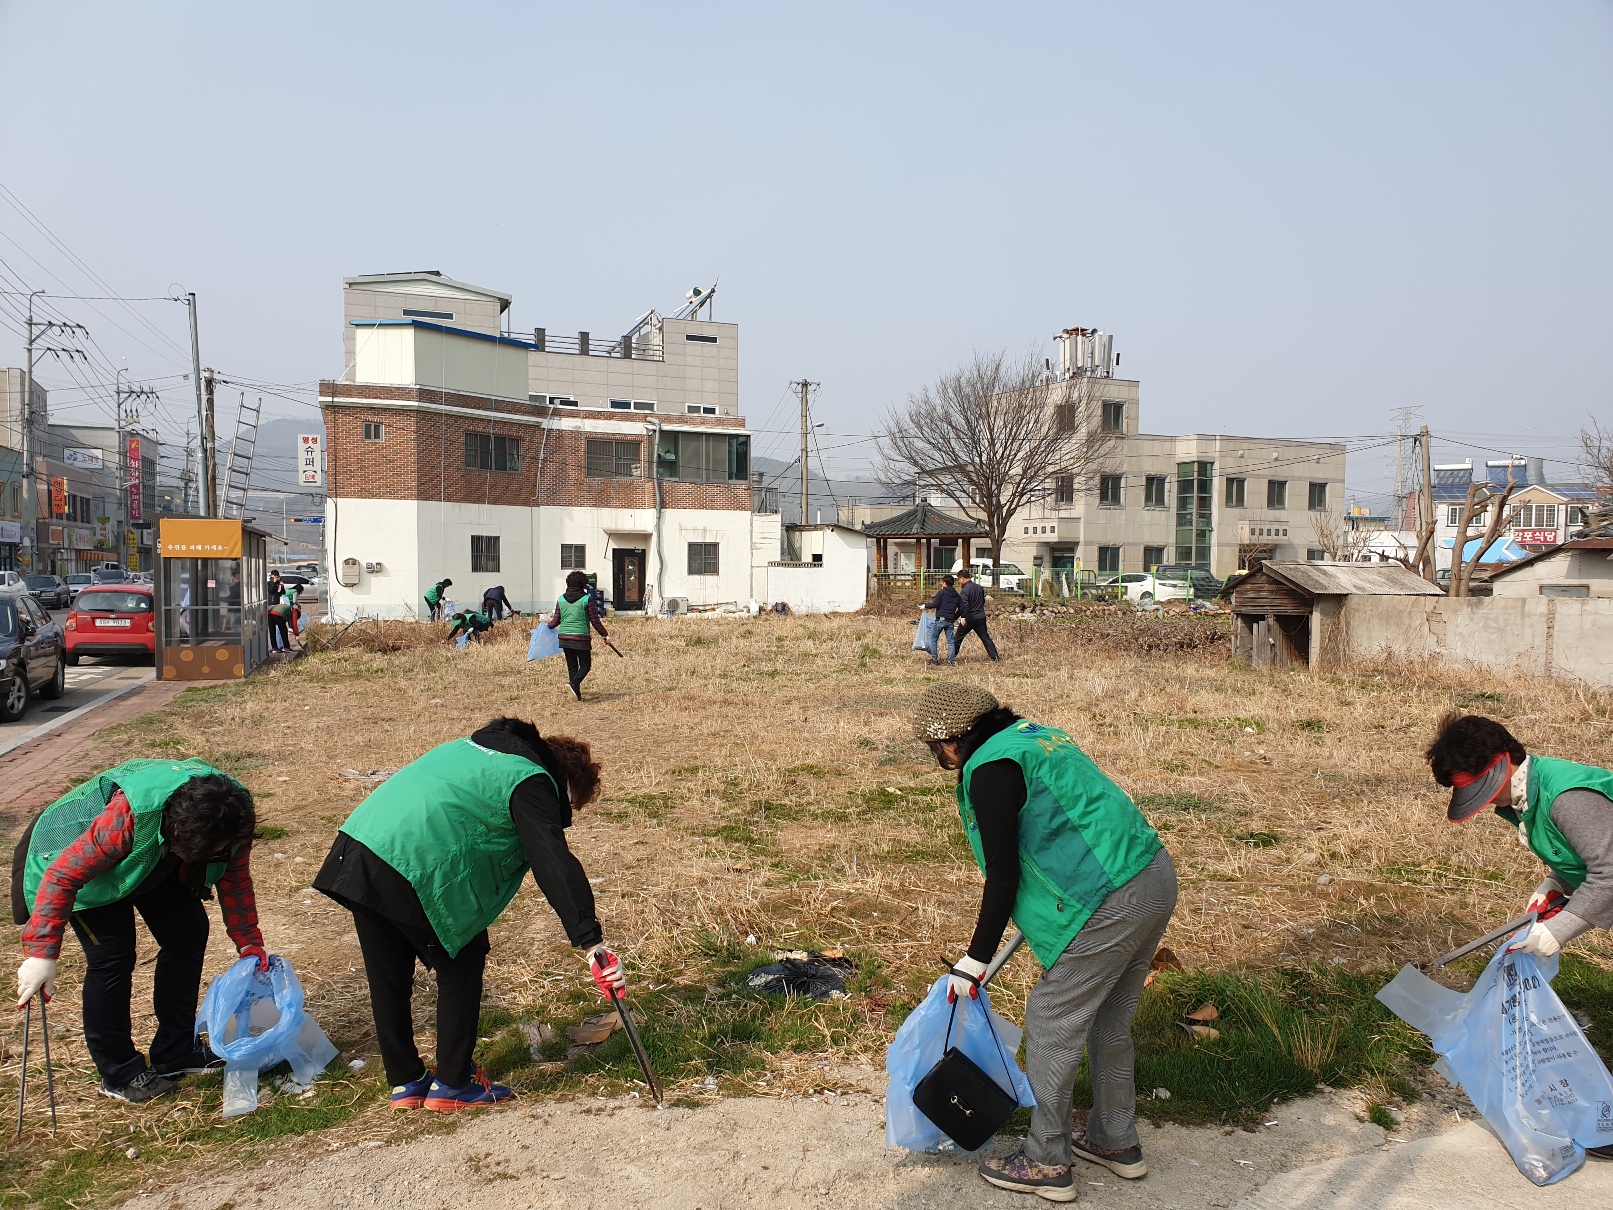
(1540, 514)
(458, 450)
(1205, 499)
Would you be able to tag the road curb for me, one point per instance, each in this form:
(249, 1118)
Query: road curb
(30, 736)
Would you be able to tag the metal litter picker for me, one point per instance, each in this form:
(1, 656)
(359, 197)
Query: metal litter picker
(22, 1071)
(638, 1046)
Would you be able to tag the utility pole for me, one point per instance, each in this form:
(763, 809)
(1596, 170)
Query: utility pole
(806, 427)
(203, 404)
(30, 486)
(1427, 510)
(210, 451)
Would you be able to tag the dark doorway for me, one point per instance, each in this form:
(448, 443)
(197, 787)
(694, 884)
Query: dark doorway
(627, 579)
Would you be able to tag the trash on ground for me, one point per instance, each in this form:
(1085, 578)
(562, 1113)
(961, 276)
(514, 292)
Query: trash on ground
(373, 777)
(1165, 959)
(538, 1034)
(1206, 1013)
(1162, 1094)
(820, 976)
(1204, 1033)
(591, 1031)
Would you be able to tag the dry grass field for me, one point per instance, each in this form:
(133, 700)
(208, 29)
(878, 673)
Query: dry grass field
(763, 792)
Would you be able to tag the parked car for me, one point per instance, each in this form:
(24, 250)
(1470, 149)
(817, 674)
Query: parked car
(1144, 588)
(1204, 585)
(1010, 577)
(112, 620)
(50, 591)
(79, 581)
(110, 574)
(33, 658)
(10, 581)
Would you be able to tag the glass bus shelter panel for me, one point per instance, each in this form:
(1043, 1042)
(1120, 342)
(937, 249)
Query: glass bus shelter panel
(202, 619)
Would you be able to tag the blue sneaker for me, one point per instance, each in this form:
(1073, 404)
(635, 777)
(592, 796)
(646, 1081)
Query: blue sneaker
(413, 1094)
(475, 1095)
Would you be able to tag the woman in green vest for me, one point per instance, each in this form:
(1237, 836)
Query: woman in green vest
(430, 859)
(149, 836)
(434, 596)
(1562, 811)
(575, 613)
(1071, 859)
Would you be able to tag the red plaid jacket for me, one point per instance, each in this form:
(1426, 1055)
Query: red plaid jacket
(109, 840)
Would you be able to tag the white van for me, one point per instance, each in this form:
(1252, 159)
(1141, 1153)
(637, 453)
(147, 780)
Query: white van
(1010, 577)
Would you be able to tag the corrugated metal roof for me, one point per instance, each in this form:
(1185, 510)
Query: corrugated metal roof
(1353, 579)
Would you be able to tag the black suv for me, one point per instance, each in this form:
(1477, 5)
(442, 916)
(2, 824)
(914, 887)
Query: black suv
(33, 655)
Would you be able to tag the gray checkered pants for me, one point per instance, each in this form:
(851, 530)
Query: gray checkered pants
(1085, 1001)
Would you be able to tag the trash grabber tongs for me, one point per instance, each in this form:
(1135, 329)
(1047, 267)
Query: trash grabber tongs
(638, 1046)
(22, 1071)
(1015, 940)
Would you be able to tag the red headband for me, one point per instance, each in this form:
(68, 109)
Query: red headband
(1460, 780)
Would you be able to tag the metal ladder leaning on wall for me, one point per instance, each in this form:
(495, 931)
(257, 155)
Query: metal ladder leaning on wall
(238, 475)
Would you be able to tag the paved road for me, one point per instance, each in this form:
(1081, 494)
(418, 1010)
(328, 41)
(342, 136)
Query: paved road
(88, 681)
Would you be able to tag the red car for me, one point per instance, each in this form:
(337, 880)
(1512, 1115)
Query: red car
(112, 619)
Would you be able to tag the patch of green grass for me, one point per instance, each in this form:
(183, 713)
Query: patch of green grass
(1379, 1115)
(1204, 723)
(807, 771)
(1479, 699)
(1180, 802)
(236, 762)
(203, 697)
(699, 641)
(869, 652)
(650, 806)
(1317, 725)
(1259, 840)
(1440, 873)
(271, 832)
(740, 833)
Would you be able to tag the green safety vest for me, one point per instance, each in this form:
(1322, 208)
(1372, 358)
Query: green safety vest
(433, 594)
(1549, 777)
(147, 785)
(282, 610)
(1080, 836)
(443, 822)
(574, 615)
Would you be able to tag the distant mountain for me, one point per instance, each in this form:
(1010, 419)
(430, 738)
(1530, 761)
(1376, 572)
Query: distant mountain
(823, 494)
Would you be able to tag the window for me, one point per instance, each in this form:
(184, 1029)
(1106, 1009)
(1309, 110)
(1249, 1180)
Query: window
(1154, 491)
(1453, 515)
(484, 552)
(1063, 489)
(703, 457)
(374, 430)
(1235, 491)
(1318, 496)
(622, 405)
(573, 557)
(1114, 416)
(1195, 528)
(1577, 515)
(1153, 556)
(492, 452)
(16, 499)
(1108, 558)
(1110, 491)
(553, 401)
(1276, 493)
(1316, 556)
(1535, 516)
(696, 338)
(612, 459)
(702, 558)
(1064, 417)
(700, 409)
(411, 313)
(982, 552)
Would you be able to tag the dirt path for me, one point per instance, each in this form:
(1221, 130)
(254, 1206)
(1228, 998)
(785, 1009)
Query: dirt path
(819, 1151)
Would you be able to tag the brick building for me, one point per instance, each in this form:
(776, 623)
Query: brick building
(473, 454)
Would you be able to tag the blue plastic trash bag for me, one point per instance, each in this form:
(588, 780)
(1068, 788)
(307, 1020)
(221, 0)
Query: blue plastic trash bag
(545, 642)
(255, 1019)
(463, 641)
(926, 630)
(919, 1045)
(1519, 1055)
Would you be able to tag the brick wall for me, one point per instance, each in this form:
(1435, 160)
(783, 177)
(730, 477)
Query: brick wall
(422, 455)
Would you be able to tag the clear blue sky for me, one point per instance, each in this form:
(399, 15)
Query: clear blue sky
(1293, 217)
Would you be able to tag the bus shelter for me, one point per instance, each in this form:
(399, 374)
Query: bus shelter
(212, 599)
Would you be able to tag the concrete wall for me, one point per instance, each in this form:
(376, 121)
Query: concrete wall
(839, 584)
(409, 356)
(690, 371)
(1590, 569)
(1569, 639)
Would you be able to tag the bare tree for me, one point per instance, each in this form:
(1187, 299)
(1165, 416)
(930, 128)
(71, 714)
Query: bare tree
(998, 435)
(1340, 541)
(1480, 496)
(1596, 457)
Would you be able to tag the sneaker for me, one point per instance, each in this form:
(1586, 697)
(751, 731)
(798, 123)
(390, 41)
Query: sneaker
(1051, 1182)
(475, 1095)
(198, 1061)
(1128, 1163)
(413, 1094)
(144, 1087)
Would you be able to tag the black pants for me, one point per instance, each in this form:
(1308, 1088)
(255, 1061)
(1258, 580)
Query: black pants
(977, 626)
(434, 609)
(179, 923)
(279, 633)
(579, 662)
(496, 608)
(389, 957)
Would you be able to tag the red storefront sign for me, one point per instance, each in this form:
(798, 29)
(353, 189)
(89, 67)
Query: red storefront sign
(58, 496)
(136, 495)
(1535, 537)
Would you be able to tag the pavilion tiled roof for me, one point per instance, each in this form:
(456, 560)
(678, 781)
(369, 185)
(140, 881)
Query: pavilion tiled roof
(924, 521)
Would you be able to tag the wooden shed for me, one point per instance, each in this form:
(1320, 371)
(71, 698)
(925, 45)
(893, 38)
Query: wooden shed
(1283, 613)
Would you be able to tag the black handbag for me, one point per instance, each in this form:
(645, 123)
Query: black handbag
(965, 1103)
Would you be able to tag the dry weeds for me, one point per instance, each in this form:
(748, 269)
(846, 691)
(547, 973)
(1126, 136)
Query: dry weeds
(761, 781)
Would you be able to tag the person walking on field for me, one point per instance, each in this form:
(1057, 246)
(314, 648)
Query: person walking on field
(574, 614)
(434, 597)
(1068, 855)
(430, 859)
(148, 836)
(973, 601)
(1563, 814)
(947, 605)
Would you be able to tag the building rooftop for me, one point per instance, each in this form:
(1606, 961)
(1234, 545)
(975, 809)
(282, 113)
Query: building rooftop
(425, 281)
(1346, 579)
(924, 520)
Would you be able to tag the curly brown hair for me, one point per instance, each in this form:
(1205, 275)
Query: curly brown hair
(577, 763)
(1467, 743)
(206, 816)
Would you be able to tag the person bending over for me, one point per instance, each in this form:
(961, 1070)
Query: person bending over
(434, 599)
(430, 859)
(473, 624)
(495, 604)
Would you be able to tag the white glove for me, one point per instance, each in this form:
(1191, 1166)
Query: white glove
(1537, 901)
(606, 969)
(35, 975)
(1539, 940)
(958, 985)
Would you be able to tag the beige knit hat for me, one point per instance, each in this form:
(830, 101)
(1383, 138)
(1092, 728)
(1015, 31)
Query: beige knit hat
(949, 708)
